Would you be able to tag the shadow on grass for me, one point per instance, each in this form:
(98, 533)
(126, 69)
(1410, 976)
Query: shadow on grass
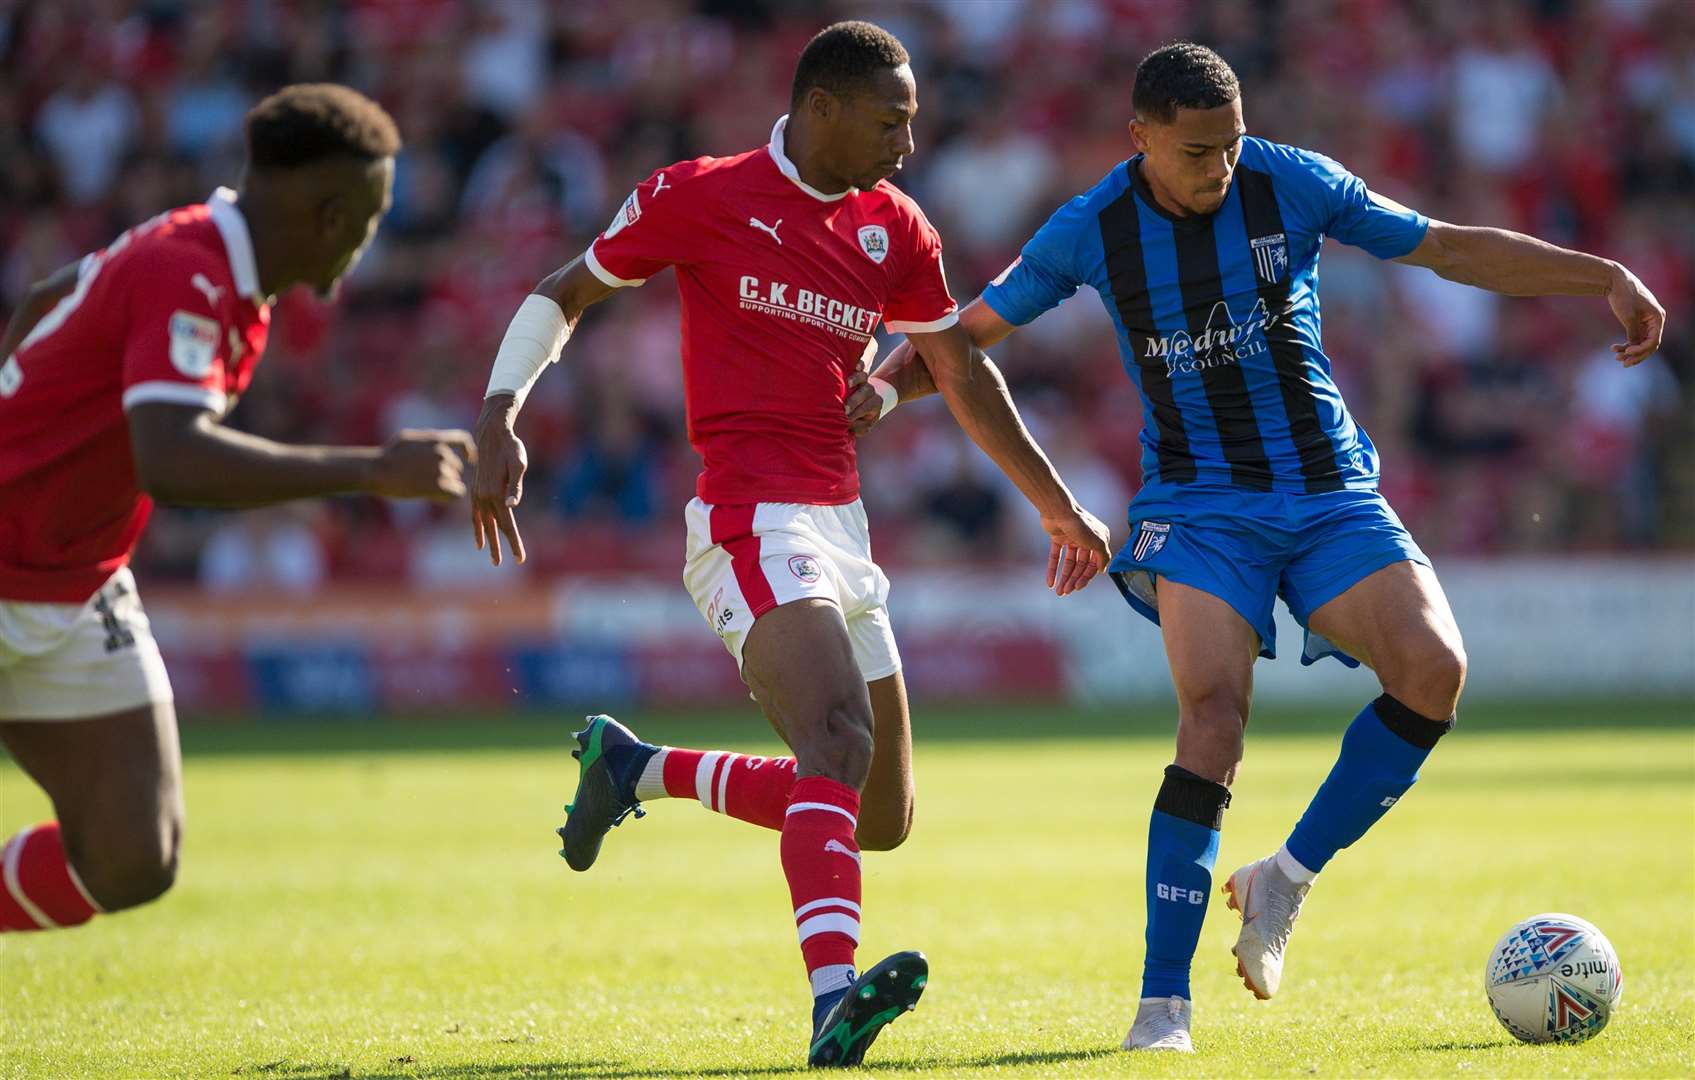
(1465, 1047)
(992, 1061)
(548, 733)
(323, 1071)
(611, 1070)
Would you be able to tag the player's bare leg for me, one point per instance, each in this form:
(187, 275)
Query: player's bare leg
(1397, 621)
(1211, 652)
(799, 662)
(116, 786)
(885, 810)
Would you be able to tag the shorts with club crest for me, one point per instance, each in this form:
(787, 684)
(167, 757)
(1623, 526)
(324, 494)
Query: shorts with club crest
(744, 560)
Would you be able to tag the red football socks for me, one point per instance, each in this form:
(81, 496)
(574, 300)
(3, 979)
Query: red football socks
(754, 789)
(821, 862)
(41, 891)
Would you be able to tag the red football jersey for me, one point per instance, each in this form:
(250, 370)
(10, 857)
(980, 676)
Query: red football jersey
(170, 312)
(781, 288)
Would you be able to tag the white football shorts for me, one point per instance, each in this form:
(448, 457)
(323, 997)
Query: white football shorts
(742, 561)
(76, 661)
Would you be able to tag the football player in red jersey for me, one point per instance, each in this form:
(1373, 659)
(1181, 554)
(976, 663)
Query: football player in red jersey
(117, 373)
(787, 258)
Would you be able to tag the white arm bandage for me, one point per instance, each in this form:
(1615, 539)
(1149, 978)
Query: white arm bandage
(890, 396)
(533, 340)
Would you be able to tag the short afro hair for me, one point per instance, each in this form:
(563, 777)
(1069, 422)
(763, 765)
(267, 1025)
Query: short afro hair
(844, 57)
(1182, 75)
(310, 122)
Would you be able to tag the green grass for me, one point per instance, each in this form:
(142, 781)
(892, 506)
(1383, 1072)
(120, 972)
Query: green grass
(384, 900)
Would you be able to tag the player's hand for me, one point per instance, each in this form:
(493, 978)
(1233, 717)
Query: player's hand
(1081, 549)
(862, 406)
(500, 478)
(422, 464)
(1643, 318)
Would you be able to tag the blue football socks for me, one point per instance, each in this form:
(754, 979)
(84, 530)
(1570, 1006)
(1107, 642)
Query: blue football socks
(1381, 755)
(1182, 847)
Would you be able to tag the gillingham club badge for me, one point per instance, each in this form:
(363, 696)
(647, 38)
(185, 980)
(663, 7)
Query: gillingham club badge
(1150, 539)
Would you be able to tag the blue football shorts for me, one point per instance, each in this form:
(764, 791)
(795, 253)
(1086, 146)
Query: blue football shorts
(1249, 547)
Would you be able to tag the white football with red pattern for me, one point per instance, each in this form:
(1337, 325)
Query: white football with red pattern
(1553, 978)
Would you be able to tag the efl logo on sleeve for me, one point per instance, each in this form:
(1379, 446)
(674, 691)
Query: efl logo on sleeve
(626, 215)
(194, 343)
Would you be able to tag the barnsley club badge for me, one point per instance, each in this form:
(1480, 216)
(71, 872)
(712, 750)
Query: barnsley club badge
(1271, 257)
(874, 241)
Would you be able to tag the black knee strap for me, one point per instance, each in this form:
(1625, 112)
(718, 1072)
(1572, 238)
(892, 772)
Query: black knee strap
(1421, 731)
(1192, 798)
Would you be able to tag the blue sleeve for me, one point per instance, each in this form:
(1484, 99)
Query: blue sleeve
(1042, 276)
(1354, 214)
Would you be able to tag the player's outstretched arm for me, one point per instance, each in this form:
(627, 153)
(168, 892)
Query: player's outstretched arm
(905, 378)
(978, 398)
(36, 302)
(183, 456)
(1508, 262)
(533, 340)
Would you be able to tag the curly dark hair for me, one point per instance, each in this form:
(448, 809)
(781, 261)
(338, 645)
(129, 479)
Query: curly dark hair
(1182, 75)
(843, 57)
(309, 122)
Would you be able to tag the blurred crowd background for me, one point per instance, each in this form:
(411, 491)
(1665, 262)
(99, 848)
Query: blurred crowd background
(1505, 425)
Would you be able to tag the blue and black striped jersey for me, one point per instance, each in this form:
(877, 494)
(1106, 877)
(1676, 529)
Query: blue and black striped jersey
(1217, 315)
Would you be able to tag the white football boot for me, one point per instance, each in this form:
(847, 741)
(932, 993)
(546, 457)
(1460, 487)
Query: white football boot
(1162, 1023)
(1269, 902)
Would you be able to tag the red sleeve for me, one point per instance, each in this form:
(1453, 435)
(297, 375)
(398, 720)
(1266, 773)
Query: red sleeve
(650, 231)
(177, 341)
(921, 303)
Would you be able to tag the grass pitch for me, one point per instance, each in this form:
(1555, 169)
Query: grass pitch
(385, 901)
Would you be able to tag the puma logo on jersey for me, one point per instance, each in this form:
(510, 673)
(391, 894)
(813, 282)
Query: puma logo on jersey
(204, 284)
(660, 184)
(762, 227)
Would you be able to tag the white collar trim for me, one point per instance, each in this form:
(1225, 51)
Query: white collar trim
(787, 167)
(238, 243)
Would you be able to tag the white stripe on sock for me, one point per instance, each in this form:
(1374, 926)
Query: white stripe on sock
(703, 777)
(834, 901)
(830, 924)
(651, 784)
(799, 807)
(724, 781)
(83, 889)
(831, 977)
(14, 852)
